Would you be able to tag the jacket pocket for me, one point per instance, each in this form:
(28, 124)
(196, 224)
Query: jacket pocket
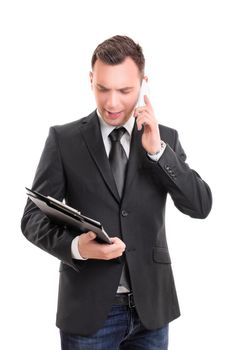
(161, 255)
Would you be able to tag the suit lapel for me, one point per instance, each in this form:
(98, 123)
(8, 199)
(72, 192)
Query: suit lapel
(94, 142)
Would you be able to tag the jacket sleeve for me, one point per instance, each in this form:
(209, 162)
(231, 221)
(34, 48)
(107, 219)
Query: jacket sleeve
(37, 228)
(190, 194)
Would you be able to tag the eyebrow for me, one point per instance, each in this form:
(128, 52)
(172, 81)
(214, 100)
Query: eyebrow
(122, 89)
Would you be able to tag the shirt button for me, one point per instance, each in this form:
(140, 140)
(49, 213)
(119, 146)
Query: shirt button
(124, 213)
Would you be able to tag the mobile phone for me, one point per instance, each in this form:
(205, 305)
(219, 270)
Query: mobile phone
(144, 90)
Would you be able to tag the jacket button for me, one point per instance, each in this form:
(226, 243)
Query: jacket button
(124, 213)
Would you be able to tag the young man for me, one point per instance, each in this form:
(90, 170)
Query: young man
(116, 165)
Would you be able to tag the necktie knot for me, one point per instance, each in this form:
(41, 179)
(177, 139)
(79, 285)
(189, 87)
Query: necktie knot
(117, 134)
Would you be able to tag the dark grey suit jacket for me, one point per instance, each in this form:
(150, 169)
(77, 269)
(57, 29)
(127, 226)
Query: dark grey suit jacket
(74, 166)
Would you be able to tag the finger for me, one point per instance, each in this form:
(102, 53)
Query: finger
(118, 241)
(147, 102)
(139, 110)
(144, 119)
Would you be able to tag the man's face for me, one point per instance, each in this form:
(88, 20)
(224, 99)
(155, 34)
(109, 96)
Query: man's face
(116, 89)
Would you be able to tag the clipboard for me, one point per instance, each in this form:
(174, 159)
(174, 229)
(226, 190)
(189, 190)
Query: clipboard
(62, 214)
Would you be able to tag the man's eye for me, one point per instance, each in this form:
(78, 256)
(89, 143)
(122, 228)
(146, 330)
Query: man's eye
(102, 90)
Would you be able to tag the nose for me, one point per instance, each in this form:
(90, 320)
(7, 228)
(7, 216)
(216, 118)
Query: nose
(113, 101)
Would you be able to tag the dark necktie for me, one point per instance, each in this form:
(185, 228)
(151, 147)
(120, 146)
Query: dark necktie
(118, 162)
(118, 159)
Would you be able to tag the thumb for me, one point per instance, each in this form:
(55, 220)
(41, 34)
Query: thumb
(89, 236)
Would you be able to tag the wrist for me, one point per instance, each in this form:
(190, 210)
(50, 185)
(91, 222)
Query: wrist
(156, 156)
(75, 251)
(158, 149)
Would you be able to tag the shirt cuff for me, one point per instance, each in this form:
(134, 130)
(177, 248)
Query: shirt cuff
(155, 157)
(74, 249)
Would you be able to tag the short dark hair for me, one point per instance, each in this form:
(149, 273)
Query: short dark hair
(115, 50)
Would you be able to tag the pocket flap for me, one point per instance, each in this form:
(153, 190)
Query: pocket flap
(161, 255)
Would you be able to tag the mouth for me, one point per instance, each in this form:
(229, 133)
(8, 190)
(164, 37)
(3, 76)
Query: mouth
(113, 115)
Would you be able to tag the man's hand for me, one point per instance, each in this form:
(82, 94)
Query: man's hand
(91, 249)
(145, 116)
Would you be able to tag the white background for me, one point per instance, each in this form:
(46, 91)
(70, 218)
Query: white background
(46, 48)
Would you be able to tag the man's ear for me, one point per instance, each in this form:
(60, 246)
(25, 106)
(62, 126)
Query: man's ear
(91, 79)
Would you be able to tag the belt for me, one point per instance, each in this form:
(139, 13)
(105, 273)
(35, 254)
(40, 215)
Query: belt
(124, 299)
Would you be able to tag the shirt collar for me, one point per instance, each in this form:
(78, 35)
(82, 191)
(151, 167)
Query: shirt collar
(106, 129)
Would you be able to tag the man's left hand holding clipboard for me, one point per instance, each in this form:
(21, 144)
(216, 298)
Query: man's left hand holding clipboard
(89, 242)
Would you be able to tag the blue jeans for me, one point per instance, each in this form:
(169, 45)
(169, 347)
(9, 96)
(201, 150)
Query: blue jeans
(122, 331)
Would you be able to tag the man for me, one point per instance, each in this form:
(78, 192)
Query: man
(116, 165)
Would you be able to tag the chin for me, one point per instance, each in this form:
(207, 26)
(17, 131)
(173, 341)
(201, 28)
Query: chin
(114, 122)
